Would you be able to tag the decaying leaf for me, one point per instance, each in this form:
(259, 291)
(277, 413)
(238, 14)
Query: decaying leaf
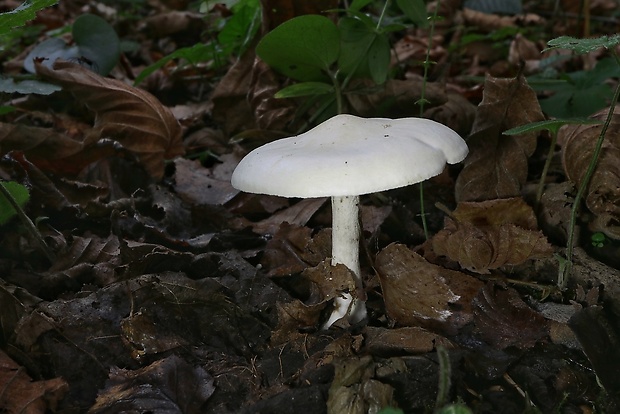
(419, 293)
(406, 340)
(496, 166)
(20, 394)
(502, 319)
(169, 385)
(128, 115)
(355, 391)
(603, 193)
(489, 234)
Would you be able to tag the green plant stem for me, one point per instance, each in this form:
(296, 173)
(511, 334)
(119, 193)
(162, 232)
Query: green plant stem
(421, 102)
(34, 232)
(543, 176)
(385, 6)
(564, 273)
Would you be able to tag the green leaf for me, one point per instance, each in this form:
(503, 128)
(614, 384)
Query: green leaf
(303, 48)
(19, 193)
(364, 51)
(305, 89)
(24, 13)
(379, 59)
(6, 109)
(240, 28)
(357, 5)
(200, 52)
(415, 10)
(97, 41)
(582, 46)
(552, 125)
(96, 47)
(8, 85)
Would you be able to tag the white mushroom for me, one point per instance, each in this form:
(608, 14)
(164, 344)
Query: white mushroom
(343, 158)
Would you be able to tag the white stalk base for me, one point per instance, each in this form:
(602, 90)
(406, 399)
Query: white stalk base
(345, 250)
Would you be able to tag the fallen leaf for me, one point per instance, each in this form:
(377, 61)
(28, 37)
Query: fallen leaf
(496, 166)
(409, 340)
(603, 192)
(503, 320)
(131, 116)
(20, 394)
(170, 385)
(419, 293)
(490, 234)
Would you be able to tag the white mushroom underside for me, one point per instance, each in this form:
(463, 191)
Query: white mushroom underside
(347, 155)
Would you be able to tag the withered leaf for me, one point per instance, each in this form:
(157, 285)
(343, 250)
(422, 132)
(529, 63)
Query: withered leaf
(164, 386)
(502, 319)
(20, 394)
(489, 234)
(131, 116)
(603, 193)
(496, 166)
(419, 293)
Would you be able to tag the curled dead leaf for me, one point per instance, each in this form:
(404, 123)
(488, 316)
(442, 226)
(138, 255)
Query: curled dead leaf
(603, 193)
(490, 234)
(496, 166)
(123, 113)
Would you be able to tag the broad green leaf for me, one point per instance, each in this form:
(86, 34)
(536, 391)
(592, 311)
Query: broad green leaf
(97, 41)
(415, 10)
(305, 89)
(24, 13)
(552, 125)
(364, 51)
(96, 46)
(455, 409)
(240, 28)
(303, 48)
(357, 5)
(379, 59)
(582, 46)
(19, 193)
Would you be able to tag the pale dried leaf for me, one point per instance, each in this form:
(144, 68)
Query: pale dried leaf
(487, 235)
(131, 116)
(603, 193)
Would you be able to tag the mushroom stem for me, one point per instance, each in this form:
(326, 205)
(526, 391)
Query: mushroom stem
(345, 250)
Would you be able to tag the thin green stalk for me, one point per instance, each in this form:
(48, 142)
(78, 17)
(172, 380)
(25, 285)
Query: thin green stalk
(565, 271)
(421, 102)
(543, 176)
(34, 232)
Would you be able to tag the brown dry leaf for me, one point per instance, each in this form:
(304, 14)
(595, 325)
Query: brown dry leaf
(20, 394)
(292, 249)
(603, 193)
(489, 234)
(496, 166)
(502, 319)
(419, 293)
(131, 116)
(330, 281)
(164, 386)
(406, 340)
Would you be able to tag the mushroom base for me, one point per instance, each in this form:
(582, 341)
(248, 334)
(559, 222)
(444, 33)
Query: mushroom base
(345, 250)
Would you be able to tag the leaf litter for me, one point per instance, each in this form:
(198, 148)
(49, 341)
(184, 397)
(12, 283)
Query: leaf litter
(173, 292)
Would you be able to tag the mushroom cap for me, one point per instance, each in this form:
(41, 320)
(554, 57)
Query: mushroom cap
(348, 155)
